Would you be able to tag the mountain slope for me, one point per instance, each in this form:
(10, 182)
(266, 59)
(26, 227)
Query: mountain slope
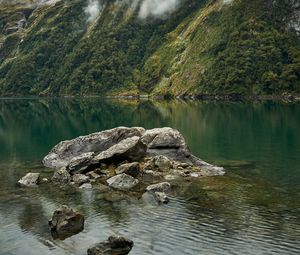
(203, 47)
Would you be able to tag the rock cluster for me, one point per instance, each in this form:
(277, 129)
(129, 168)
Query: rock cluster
(125, 159)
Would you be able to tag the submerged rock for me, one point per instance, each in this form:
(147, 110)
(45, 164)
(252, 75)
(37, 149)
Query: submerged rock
(115, 245)
(161, 197)
(132, 169)
(66, 222)
(122, 182)
(29, 180)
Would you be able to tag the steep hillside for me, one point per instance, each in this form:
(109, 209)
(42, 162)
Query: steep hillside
(126, 47)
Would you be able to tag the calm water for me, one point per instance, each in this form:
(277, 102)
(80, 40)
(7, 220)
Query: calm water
(254, 209)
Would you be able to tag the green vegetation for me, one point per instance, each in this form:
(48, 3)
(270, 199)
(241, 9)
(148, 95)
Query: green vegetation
(205, 48)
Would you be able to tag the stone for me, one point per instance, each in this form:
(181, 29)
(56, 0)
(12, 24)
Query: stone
(151, 176)
(115, 245)
(131, 149)
(160, 187)
(94, 175)
(162, 162)
(30, 180)
(161, 197)
(45, 180)
(61, 176)
(132, 169)
(66, 222)
(62, 154)
(80, 179)
(122, 182)
(80, 163)
(86, 186)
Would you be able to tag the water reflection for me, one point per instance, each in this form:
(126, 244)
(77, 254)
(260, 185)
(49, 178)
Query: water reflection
(254, 209)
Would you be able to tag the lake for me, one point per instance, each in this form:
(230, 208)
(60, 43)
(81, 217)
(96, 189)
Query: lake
(253, 209)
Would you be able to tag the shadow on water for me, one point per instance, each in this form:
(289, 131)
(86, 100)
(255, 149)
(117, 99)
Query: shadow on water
(254, 209)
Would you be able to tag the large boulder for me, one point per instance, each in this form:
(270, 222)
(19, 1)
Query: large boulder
(29, 180)
(170, 143)
(63, 153)
(66, 222)
(122, 182)
(115, 245)
(128, 149)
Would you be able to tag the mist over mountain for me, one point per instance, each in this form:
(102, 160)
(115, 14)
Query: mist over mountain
(166, 47)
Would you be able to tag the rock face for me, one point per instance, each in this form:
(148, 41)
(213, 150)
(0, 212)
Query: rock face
(29, 180)
(115, 245)
(132, 144)
(122, 182)
(66, 222)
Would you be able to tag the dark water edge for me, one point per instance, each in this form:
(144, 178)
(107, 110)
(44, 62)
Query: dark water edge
(254, 209)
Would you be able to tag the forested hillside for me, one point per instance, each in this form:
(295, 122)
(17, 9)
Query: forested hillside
(126, 47)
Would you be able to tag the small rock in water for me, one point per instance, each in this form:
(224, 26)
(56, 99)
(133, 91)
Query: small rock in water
(66, 222)
(45, 180)
(30, 180)
(61, 176)
(115, 245)
(161, 197)
(132, 169)
(122, 182)
(86, 186)
(80, 179)
(160, 187)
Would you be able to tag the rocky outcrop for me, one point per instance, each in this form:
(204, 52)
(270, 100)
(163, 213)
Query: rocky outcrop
(122, 182)
(66, 222)
(115, 245)
(29, 180)
(128, 160)
(120, 144)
